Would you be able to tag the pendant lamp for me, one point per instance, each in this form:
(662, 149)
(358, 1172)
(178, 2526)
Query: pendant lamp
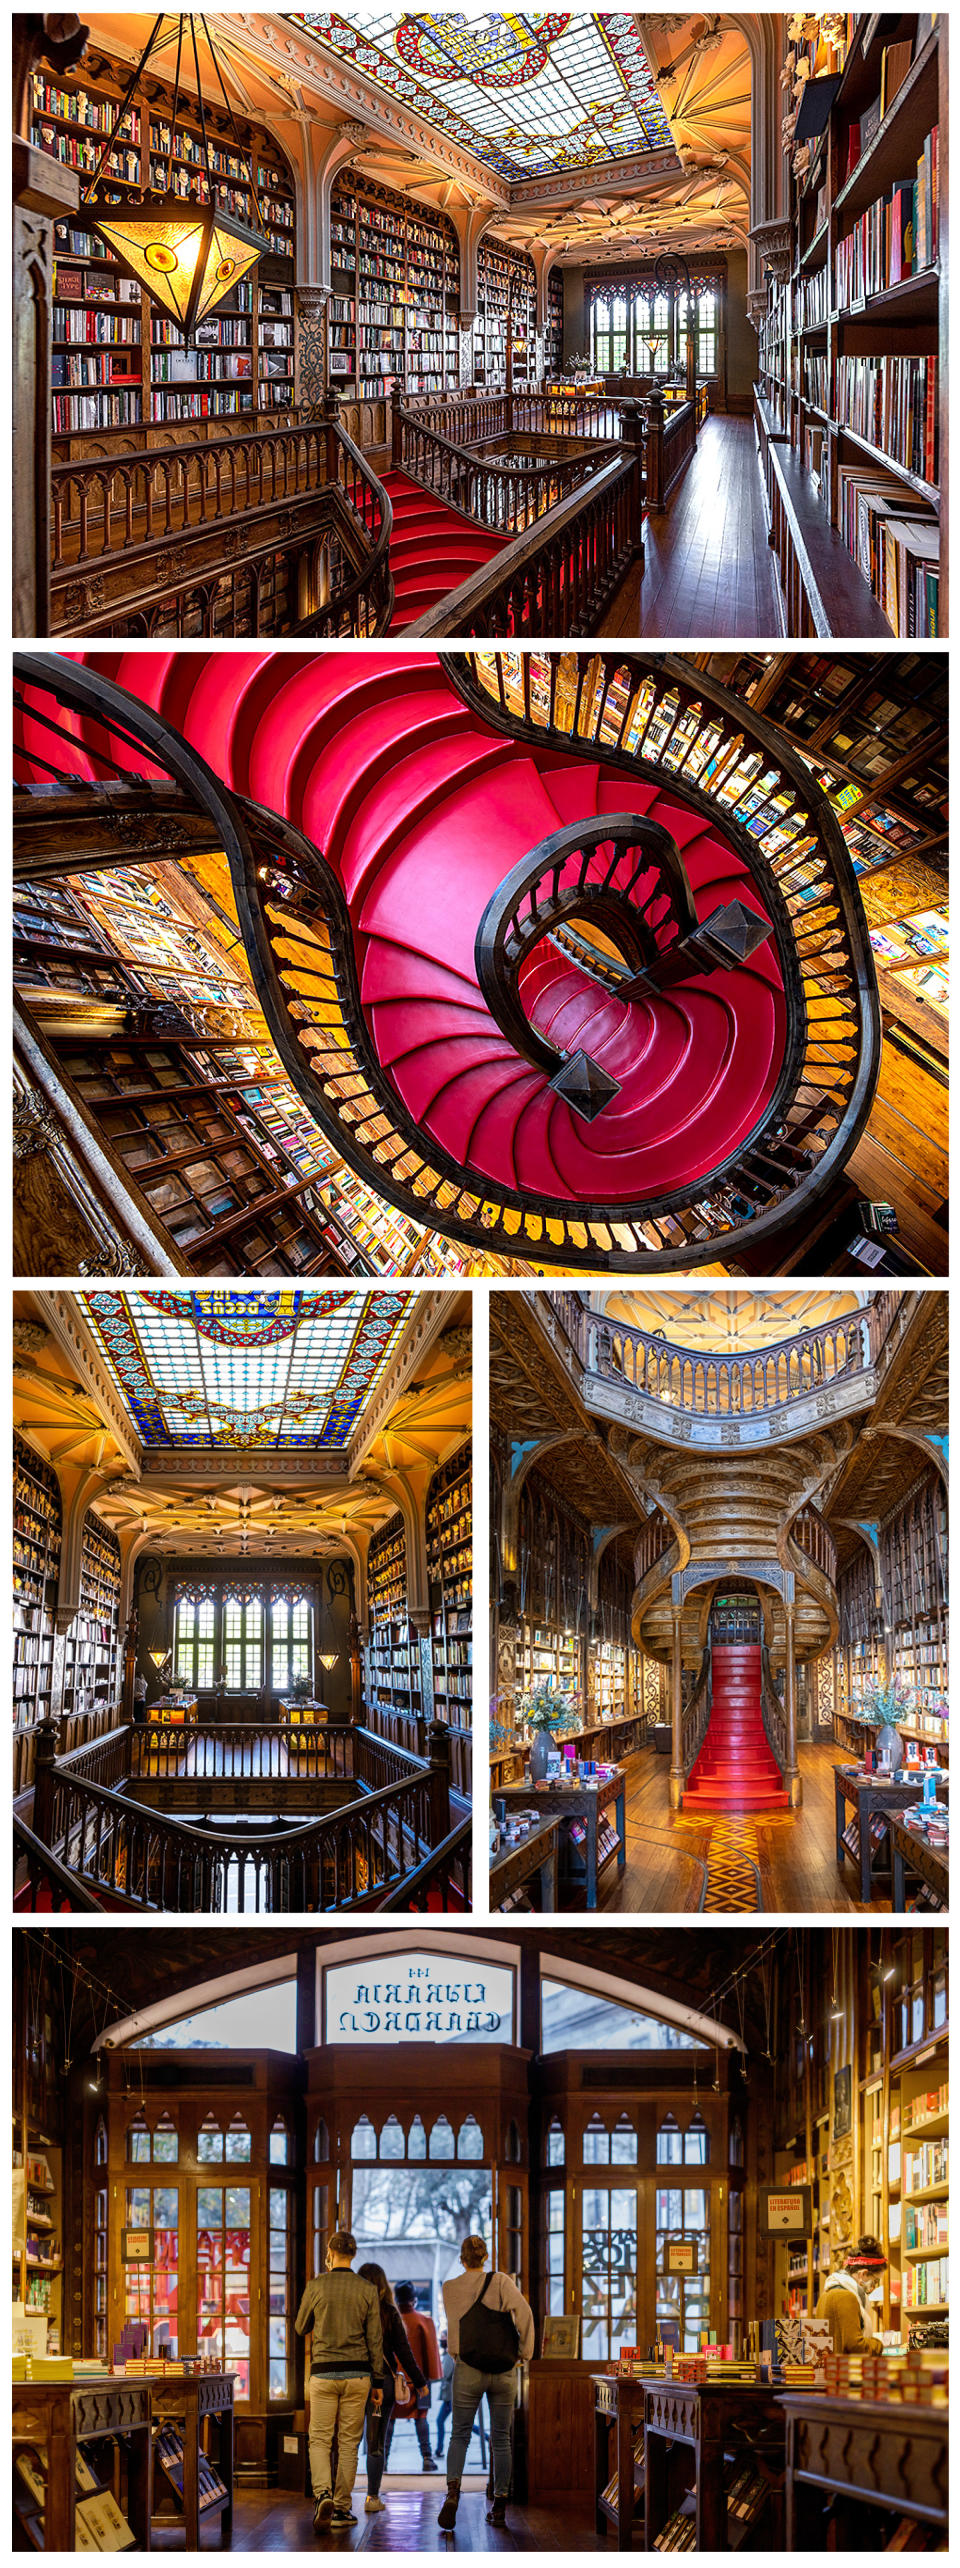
(185, 253)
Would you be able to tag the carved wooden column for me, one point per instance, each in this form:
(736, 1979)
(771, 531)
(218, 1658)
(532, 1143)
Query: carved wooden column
(792, 1775)
(676, 1712)
(310, 359)
(43, 192)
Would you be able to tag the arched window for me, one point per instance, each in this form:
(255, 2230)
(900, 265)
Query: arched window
(363, 2140)
(100, 2144)
(321, 2145)
(291, 1653)
(166, 2144)
(669, 2143)
(696, 2143)
(391, 2138)
(511, 2146)
(138, 2140)
(279, 2143)
(708, 321)
(623, 2145)
(596, 2143)
(441, 2138)
(416, 2139)
(470, 2139)
(193, 1643)
(238, 2142)
(243, 1644)
(209, 2142)
(556, 2146)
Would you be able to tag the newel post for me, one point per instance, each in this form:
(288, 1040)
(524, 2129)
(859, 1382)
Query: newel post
(654, 446)
(438, 1752)
(46, 1742)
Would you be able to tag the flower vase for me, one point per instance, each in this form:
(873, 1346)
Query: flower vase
(539, 1756)
(888, 1744)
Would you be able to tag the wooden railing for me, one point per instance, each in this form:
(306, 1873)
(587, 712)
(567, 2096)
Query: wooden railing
(506, 497)
(563, 574)
(125, 1854)
(408, 1730)
(730, 1386)
(140, 541)
(772, 1712)
(443, 1880)
(40, 1882)
(814, 1538)
(696, 1718)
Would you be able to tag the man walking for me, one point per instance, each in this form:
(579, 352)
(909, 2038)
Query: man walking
(339, 2319)
(489, 2331)
(423, 2340)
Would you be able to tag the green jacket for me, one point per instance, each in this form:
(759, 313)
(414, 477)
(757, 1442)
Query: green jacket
(343, 2314)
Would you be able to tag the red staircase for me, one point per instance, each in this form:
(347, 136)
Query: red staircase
(736, 1768)
(431, 549)
(422, 810)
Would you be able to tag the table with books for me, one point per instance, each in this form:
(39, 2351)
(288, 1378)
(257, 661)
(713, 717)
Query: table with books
(188, 2409)
(915, 1858)
(82, 2463)
(594, 1838)
(618, 2418)
(873, 1798)
(714, 2460)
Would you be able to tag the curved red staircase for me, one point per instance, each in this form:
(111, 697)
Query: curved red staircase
(432, 549)
(736, 1769)
(421, 810)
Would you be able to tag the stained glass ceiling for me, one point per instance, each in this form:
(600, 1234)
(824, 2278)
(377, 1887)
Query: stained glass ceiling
(246, 1369)
(529, 94)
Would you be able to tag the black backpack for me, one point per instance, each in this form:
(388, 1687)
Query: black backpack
(488, 2337)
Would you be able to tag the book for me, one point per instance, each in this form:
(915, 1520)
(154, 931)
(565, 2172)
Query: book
(895, 63)
(103, 2519)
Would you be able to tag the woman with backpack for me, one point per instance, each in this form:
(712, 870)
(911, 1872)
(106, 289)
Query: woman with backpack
(401, 2377)
(490, 2331)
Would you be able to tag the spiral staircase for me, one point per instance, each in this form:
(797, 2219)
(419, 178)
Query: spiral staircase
(567, 956)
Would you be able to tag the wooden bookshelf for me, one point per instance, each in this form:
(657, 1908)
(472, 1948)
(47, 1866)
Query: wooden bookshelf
(37, 1520)
(392, 312)
(449, 1526)
(118, 362)
(850, 386)
(394, 1680)
(91, 1680)
(38, 2263)
(553, 335)
(505, 327)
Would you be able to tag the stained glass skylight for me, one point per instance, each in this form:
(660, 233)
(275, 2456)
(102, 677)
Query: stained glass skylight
(266, 1369)
(528, 93)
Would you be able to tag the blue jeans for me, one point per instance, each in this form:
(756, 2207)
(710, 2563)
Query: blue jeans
(500, 2391)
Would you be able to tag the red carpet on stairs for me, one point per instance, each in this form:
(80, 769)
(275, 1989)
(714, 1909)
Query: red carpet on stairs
(736, 1768)
(431, 549)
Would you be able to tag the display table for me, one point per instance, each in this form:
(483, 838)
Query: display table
(536, 1854)
(618, 2444)
(586, 1802)
(289, 1713)
(166, 1710)
(866, 1794)
(52, 2420)
(193, 2403)
(709, 2419)
(915, 1858)
(874, 2452)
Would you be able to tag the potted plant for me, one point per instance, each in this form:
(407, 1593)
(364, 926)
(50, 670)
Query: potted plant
(885, 1706)
(546, 1711)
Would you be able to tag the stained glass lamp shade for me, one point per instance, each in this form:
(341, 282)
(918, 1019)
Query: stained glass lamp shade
(186, 254)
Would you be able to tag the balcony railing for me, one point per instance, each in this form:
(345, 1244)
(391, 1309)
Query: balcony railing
(730, 1386)
(164, 539)
(815, 1540)
(506, 497)
(562, 576)
(126, 1855)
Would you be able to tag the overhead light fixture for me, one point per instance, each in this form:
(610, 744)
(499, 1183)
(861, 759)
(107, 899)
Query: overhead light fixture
(181, 249)
(328, 1659)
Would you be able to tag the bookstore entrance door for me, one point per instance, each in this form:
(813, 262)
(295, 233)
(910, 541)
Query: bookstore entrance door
(411, 2221)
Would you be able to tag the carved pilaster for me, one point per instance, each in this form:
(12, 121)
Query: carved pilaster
(42, 192)
(310, 357)
(774, 245)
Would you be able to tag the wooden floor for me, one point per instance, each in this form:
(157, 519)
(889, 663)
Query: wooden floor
(709, 573)
(273, 2519)
(773, 1864)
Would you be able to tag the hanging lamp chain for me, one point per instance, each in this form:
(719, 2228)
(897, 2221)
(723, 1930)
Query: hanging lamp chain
(129, 93)
(121, 118)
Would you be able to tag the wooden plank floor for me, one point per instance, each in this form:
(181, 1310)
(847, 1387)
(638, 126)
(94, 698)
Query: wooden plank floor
(669, 1868)
(709, 573)
(274, 2519)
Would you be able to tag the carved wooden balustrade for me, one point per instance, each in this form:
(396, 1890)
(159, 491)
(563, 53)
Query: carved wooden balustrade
(442, 1881)
(696, 1717)
(772, 1712)
(814, 1538)
(162, 540)
(563, 574)
(408, 1730)
(40, 1883)
(730, 1386)
(508, 497)
(125, 1854)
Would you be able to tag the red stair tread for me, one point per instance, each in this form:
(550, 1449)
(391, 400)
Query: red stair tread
(736, 1768)
(432, 549)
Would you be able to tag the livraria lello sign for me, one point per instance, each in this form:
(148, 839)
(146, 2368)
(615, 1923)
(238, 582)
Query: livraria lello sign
(425, 1999)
